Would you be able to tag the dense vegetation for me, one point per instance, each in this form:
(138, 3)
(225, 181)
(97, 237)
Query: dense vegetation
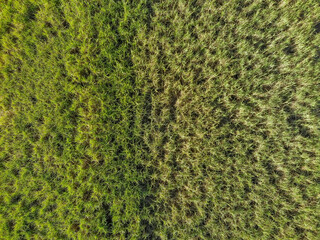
(159, 119)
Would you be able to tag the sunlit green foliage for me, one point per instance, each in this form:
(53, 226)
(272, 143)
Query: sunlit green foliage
(69, 159)
(159, 119)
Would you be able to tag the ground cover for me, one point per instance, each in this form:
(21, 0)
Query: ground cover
(159, 119)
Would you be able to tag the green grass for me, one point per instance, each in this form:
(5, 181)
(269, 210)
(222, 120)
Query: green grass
(159, 119)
